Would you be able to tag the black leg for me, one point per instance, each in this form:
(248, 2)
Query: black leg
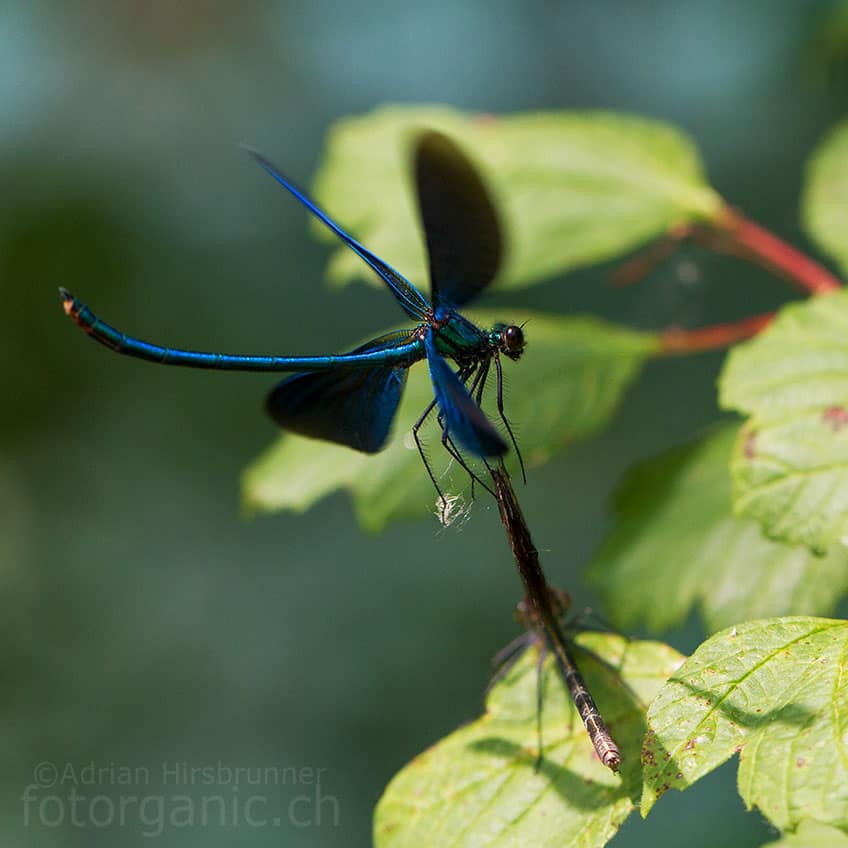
(453, 450)
(480, 372)
(480, 385)
(581, 621)
(415, 428)
(540, 701)
(508, 656)
(480, 382)
(464, 374)
(471, 371)
(504, 419)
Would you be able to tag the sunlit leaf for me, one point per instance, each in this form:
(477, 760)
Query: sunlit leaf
(674, 528)
(565, 387)
(480, 786)
(825, 200)
(774, 691)
(573, 188)
(790, 467)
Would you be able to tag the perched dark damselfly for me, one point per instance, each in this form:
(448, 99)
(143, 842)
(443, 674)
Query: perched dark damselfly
(352, 398)
(543, 610)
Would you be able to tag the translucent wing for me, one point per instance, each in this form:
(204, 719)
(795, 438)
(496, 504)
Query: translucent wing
(350, 406)
(463, 419)
(411, 300)
(460, 223)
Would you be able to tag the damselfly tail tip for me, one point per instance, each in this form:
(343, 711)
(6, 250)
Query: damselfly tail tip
(257, 156)
(249, 148)
(67, 300)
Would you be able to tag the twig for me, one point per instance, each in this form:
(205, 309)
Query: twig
(734, 234)
(765, 247)
(676, 340)
(639, 266)
(541, 597)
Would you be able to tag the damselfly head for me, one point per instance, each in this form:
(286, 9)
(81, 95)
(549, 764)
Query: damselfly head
(509, 339)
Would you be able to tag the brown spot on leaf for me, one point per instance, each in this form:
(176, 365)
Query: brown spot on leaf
(836, 417)
(800, 762)
(749, 446)
(690, 745)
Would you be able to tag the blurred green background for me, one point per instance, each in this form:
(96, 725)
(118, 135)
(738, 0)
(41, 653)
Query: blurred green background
(145, 623)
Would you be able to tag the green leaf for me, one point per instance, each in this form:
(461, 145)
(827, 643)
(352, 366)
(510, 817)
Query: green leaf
(774, 691)
(573, 188)
(565, 387)
(825, 198)
(812, 834)
(790, 466)
(479, 786)
(674, 528)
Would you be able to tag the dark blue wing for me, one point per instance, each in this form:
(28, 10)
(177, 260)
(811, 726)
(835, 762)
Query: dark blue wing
(411, 300)
(349, 406)
(463, 419)
(461, 226)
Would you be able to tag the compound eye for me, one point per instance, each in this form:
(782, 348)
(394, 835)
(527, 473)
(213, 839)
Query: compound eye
(513, 338)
